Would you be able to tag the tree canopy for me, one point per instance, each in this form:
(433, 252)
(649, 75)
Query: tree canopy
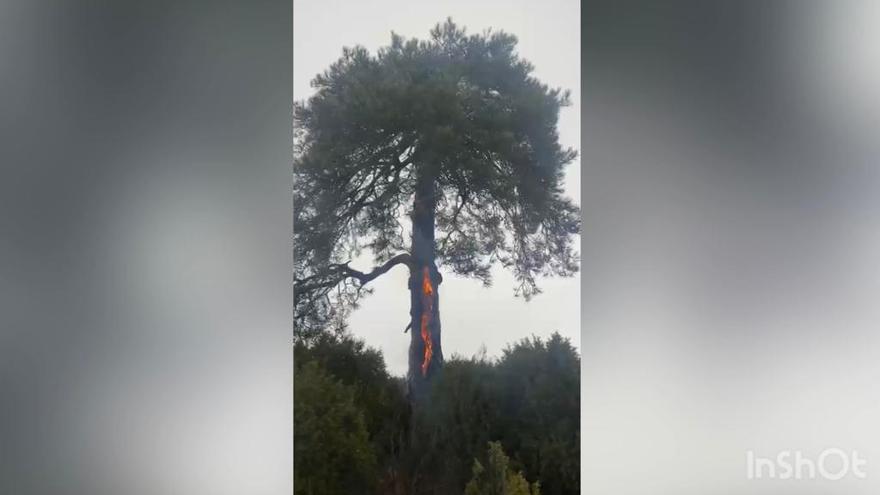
(463, 110)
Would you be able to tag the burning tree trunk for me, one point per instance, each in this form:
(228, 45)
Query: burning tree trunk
(425, 351)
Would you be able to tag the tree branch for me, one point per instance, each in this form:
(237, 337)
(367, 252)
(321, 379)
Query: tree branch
(454, 222)
(333, 274)
(363, 278)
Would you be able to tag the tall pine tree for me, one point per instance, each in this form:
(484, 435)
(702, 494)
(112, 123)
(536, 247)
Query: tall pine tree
(434, 154)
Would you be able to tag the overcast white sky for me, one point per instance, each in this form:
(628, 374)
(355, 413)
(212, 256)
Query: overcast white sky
(549, 37)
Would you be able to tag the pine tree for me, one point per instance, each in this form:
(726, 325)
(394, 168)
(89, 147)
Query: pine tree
(433, 154)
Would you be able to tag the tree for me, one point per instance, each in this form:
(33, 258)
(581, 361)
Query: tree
(378, 396)
(529, 400)
(497, 478)
(353, 423)
(452, 133)
(462, 418)
(539, 392)
(332, 452)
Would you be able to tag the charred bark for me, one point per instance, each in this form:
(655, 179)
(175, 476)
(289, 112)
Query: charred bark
(425, 351)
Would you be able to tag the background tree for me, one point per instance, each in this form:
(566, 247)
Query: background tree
(332, 453)
(538, 390)
(528, 399)
(353, 424)
(431, 154)
(377, 395)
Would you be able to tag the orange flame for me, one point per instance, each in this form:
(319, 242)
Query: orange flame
(427, 311)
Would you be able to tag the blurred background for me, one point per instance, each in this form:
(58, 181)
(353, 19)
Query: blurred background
(145, 283)
(731, 191)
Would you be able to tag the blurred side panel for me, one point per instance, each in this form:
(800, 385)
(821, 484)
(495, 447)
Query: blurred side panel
(145, 231)
(731, 191)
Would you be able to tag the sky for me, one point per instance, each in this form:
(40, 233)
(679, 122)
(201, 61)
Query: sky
(472, 316)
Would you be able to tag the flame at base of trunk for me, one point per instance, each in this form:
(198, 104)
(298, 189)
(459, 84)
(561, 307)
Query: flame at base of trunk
(427, 311)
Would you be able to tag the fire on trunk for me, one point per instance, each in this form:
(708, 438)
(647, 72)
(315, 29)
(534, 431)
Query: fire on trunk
(427, 311)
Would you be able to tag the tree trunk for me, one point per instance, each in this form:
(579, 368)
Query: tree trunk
(425, 352)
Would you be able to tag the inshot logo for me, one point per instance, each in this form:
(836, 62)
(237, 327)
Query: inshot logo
(832, 464)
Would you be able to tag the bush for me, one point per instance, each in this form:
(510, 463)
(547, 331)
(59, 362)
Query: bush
(528, 400)
(332, 453)
(377, 395)
(539, 386)
(497, 478)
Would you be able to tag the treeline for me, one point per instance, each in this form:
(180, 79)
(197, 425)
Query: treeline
(354, 431)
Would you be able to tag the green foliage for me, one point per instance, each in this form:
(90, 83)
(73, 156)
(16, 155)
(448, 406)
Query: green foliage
(528, 400)
(376, 394)
(332, 453)
(465, 112)
(457, 423)
(540, 393)
(497, 478)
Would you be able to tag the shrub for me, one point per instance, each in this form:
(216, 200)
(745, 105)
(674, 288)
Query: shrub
(497, 478)
(332, 452)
